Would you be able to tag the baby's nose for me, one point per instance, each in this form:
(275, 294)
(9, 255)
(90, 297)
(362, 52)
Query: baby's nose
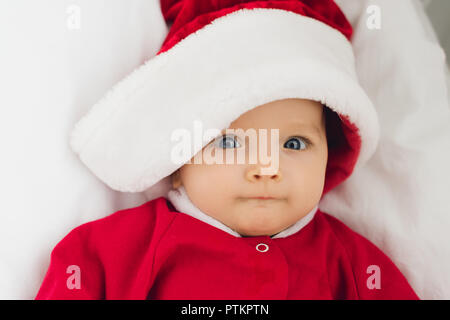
(254, 175)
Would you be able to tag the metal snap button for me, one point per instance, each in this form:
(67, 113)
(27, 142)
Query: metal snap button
(262, 247)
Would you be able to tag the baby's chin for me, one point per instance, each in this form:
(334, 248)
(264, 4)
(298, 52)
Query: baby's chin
(252, 219)
(266, 224)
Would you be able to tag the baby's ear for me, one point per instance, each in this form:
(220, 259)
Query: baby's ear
(176, 179)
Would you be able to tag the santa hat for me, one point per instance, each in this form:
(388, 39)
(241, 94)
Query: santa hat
(220, 59)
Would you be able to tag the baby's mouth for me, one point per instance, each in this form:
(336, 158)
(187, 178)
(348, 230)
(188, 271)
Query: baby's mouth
(263, 198)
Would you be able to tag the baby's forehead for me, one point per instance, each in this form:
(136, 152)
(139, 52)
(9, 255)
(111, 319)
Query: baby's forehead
(291, 126)
(283, 114)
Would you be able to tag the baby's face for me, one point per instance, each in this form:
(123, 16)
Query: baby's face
(228, 192)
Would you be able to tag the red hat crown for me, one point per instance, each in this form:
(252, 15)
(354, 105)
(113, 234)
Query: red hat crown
(187, 16)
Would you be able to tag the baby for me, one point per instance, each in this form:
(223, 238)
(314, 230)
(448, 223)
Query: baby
(280, 71)
(229, 232)
(250, 203)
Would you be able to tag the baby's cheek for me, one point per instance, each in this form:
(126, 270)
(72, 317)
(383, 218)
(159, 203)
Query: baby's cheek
(306, 186)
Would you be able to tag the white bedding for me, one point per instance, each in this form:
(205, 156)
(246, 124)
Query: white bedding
(53, 73)
(404, 189)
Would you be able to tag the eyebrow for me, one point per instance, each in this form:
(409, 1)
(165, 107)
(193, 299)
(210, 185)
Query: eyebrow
(314, 129)
(311, 128)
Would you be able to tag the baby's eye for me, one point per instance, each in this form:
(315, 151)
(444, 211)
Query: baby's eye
(297, 143)
(227, 141)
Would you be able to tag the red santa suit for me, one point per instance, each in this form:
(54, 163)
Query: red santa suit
(156, 252)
